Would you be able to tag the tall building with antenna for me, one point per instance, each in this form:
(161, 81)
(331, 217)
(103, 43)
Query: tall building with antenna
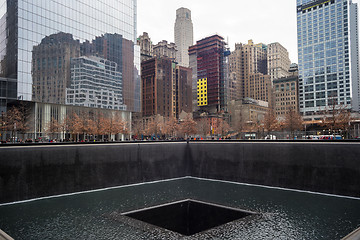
(183, 34)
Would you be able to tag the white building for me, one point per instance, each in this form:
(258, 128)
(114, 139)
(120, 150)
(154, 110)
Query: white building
(95, 83)
(183, 33)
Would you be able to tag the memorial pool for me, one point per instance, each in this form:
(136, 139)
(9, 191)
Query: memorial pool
(284, 214)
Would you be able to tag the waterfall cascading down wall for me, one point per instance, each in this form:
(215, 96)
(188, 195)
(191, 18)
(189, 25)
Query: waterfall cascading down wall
(28, 172)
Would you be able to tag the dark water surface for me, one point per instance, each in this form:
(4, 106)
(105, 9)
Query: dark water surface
(283, 214)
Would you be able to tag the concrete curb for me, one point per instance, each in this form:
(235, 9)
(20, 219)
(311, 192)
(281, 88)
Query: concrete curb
(4, 236)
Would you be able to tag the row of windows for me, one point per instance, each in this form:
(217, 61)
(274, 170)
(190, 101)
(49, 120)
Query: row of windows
(322, 103)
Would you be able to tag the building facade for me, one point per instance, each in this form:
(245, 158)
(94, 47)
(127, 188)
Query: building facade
(247, 114)
(328, 55)
(183, 35)
(286, 95)
(248, 62)
(146, 46)
(258, 86)
(165, 49)
(39, 116)
(211, 62)
(51, 67)
(182, 91)
(95, 82)
(26, 24)
(278, 61)
(166, 88)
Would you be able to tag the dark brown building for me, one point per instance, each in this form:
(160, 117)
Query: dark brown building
(183, 90)
(166, 88)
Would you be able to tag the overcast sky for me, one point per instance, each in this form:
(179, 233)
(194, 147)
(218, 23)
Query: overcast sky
(264, 21)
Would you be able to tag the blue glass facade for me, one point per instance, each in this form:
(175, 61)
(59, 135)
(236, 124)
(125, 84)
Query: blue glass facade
(26, 23)
(325, 76)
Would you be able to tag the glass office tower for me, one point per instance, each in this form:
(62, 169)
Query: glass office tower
(328, 55)
(38, 39)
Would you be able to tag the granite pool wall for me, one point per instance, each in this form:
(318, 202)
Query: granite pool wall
(34, 171)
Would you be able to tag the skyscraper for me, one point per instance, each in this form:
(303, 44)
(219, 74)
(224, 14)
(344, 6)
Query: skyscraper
(328, 55)
(166, 88)
(183, 32)
(209, 59)
(278, 61)
(249, 64)
(27, 24)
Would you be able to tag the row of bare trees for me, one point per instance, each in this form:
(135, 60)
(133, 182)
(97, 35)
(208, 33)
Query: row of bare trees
(85, 126)
(160, 127)
(171, 127)
(334, 120)
(293, 122)
(81, 126)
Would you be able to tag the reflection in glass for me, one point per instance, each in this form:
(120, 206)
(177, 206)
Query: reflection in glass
(38, 39)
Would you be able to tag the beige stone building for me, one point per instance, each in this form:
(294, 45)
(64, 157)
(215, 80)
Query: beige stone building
(232, 87)
(165, 49)
(278, 61)
(183, 35)
(146, 47)
(258, 86)
(246, 114)
(249, 63)
(286, 95)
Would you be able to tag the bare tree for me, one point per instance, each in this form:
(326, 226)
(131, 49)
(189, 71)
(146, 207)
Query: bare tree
(16, 120)
(119, 126)
(343, 121)
(337, 117)
(240, 124)
(108, 127)
(270, 122)
(222, 127)
(171, 126)
(155, 126)
(65, 125)
(188, 126)
(138, 129)
(203, 127)
(53, 127)
(126, 127)
(78, 125)
(99, 128)
(293, 121)
(91, 127)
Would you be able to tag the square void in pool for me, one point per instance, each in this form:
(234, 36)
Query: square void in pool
(188, 217)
